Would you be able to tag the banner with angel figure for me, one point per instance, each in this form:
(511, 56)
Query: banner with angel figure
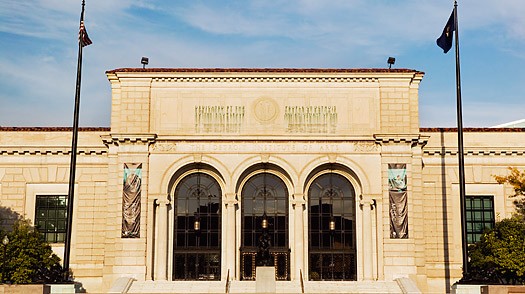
(131, 200)
(398, 205)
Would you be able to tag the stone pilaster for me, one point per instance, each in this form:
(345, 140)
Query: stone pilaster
(298, 204)
(368, 260)
(229, 233)
(161, 260)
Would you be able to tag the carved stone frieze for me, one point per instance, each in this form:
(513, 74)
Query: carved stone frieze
(365, 146)
(214, 119)
(311, 119)
(164, 147)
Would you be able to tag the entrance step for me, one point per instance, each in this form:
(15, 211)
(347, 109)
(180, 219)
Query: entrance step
(352, 287)
(250, 287)
(280, 287)
(178, 287)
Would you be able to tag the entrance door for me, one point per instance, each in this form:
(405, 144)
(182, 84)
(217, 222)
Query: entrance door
(197, 243)
(264, 226)
(331, 229)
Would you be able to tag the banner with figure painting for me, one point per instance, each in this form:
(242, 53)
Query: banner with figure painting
(398, 206)
(131, 200)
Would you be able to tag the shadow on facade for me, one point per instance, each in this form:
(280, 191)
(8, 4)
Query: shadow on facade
(446, 249)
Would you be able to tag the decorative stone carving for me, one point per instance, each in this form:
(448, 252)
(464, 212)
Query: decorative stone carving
(224, 119)
(311, 119)
(165, 147)
(265, 109)
(362, 146)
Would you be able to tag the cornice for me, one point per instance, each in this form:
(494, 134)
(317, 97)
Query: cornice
(412, 139)
(471, 152)
(265, 79)
(50, 151)
(118, 139)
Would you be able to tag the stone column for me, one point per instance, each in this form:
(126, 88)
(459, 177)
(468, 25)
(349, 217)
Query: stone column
(161, 268)
(298, 203)
(230, 235)
(368, 260)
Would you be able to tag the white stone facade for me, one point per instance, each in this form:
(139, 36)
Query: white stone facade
(229, 124)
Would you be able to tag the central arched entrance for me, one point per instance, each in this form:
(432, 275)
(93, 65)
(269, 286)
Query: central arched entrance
(264, 226)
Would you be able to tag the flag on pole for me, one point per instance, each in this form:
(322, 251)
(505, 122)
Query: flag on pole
(83, 35)
(445, 40)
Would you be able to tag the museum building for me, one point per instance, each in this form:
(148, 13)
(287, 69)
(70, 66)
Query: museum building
(205, 175)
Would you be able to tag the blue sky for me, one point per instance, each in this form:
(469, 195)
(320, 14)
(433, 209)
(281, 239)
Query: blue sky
(38, 49)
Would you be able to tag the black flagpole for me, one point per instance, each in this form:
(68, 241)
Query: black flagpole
(464, 243)
(72, 167)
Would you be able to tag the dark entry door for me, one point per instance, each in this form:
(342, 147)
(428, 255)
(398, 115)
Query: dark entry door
(331, 229)
(264, 226)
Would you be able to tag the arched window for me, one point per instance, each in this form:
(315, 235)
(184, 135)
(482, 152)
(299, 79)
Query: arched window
(264, 212)
(331, 229)
(197, 228)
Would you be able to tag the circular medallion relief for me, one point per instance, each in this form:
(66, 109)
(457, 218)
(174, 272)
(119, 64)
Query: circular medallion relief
(266, 109)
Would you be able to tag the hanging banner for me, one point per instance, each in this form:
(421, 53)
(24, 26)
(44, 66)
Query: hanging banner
(398, 207)
(131, 200)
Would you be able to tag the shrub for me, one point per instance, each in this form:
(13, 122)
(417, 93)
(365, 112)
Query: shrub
(499, 256)
(28, 258)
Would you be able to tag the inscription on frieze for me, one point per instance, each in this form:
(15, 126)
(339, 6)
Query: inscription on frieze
(224, 119)
(310, 119)
(243, 147)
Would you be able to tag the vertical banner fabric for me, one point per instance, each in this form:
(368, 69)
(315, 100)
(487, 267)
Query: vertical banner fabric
(131, 194)
(398, 205)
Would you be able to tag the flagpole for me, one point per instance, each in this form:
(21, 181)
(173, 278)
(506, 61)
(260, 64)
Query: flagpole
(72, 167)
(461, 159)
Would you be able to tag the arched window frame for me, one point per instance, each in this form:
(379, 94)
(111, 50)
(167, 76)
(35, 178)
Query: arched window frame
(334, 240)
(197, 233)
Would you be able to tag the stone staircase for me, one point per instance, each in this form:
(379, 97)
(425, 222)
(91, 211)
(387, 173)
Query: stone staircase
(178, 287)
(352, 287)
(249, 287)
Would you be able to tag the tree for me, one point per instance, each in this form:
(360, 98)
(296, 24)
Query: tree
(499, 256)
(28, 258)
(517, 180)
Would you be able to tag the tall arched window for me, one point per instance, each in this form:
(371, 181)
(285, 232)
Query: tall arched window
(197, 228)
(331, 229)
(264, 211)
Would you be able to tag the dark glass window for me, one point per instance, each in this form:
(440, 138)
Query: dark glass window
(480, 216)
(51, 217)
(264, 196)
(331, 229)
(197, 244)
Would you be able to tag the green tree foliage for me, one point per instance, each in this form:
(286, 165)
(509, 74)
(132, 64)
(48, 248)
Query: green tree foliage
(28, 258)
(499, 256)
(517, 180)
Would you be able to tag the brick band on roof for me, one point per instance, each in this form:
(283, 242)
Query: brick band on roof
(472, 130)
(269, 70)
(53, 129)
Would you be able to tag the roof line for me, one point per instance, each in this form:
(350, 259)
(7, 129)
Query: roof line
(268, 70)
(472, 130)
(53, 129)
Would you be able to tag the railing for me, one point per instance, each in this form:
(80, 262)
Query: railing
(301, 279)
(280, 260)
(228, 282)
